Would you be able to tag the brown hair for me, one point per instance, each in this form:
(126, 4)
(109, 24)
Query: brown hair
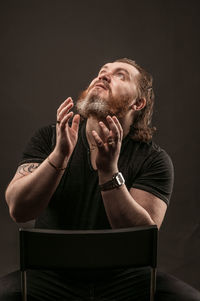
(141, 127)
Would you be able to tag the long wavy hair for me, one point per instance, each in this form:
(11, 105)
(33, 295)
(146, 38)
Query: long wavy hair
(141, 129)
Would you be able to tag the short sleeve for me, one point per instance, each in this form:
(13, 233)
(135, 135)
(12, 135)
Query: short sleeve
(157, 176)
(39, 146)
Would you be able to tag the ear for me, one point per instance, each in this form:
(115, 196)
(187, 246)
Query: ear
(139, 104)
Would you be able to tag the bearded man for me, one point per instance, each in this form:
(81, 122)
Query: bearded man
(98, 173)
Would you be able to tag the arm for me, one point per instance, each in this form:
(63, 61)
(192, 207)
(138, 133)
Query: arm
(124, 208)
(33, 185)
(134, 208)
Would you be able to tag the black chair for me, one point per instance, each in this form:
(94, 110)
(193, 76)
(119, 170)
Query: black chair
(89, 249)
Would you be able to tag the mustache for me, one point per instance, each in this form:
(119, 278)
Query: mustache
(101, 82)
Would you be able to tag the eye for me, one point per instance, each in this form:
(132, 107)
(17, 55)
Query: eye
(121, 75)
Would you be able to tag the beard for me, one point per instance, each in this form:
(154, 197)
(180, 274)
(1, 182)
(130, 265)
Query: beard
(92, 103)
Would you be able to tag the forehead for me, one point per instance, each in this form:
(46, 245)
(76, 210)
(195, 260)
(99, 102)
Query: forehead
(119, 65)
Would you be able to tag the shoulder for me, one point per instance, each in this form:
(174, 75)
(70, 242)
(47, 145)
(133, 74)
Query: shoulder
(155, 172)
(40, 145)
(157, 159)
(149, 152)
(45, 131)
(148, 167)
(159, 156)
(45, 134)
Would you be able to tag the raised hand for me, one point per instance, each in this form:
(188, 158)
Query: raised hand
(66, 136)
(109, 145)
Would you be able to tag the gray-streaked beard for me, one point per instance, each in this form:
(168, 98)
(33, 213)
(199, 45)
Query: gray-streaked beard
(93, 105)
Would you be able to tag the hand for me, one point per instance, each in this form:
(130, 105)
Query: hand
(66, 136)
(109, 146)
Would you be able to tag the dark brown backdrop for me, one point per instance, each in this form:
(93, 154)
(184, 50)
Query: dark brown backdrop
(52, 49)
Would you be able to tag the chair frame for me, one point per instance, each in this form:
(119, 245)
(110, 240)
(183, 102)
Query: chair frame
(88, 249)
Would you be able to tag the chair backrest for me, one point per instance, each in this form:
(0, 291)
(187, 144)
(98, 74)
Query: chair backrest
(88, 249)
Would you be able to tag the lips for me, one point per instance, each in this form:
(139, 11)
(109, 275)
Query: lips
(103, 85)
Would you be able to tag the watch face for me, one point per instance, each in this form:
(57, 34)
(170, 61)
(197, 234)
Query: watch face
(119, 179)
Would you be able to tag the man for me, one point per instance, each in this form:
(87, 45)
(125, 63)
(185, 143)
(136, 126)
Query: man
(101, 172)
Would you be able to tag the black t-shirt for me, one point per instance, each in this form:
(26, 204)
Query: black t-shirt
(77, 201)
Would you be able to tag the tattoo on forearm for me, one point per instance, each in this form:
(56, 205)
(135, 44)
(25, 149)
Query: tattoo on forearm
(27, 168)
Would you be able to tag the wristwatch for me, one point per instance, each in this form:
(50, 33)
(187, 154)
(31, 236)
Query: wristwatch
(116, 182)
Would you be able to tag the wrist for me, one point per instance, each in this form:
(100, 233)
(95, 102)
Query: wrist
(106, 176)
(116, 182)
(58, 159)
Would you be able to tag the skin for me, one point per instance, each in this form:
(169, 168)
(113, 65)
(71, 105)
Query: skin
(124, 208)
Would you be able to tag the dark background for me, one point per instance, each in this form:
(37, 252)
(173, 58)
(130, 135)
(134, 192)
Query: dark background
(52, 49)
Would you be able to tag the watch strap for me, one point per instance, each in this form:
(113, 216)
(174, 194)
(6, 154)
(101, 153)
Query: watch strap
(116, 182)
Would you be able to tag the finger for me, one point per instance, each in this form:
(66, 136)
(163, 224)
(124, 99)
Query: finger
(64, 111)
(118, 124)
(97, 140)
(75, 122)
(67, 101)
(65, 120)
(104, 129)
(113, 127)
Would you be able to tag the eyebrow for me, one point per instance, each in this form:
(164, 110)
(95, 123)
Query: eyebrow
(104, 67)
(118, 69)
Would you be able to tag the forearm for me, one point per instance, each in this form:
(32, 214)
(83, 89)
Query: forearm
(121, 208)
(27, 196)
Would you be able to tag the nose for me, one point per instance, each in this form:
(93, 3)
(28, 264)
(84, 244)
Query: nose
(106, 77)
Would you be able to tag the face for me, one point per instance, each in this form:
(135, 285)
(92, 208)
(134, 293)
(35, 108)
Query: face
(112, 92)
